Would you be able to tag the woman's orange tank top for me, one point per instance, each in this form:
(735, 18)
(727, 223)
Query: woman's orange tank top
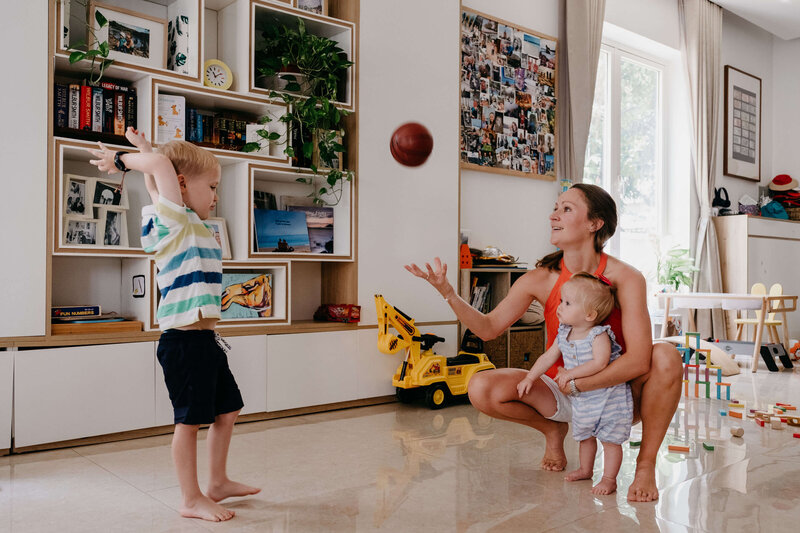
(551, 320)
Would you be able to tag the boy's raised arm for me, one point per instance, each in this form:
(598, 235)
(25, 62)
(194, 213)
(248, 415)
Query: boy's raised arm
(139, 140)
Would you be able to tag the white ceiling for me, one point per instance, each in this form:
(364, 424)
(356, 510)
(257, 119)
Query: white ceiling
(779, 17)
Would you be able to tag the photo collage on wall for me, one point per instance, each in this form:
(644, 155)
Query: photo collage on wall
(508, 97)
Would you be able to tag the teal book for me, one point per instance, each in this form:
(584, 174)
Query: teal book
(281, 231)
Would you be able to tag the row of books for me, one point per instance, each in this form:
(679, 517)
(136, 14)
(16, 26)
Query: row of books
(481, 296)
(176, 121)
(106, 108)
(296, 228)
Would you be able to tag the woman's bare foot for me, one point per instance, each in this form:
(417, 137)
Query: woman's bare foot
(206, 509)
(230, 489)
(580, 473)
(643, 488)
(606, 485)
(555, 460)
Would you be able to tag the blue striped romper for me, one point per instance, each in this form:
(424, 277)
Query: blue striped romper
(603, 413)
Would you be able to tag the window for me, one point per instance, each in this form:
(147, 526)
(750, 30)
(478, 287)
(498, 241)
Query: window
(624, 150)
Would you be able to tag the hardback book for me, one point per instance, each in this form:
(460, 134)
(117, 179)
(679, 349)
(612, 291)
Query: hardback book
(97, 109)
(108, 111)
(130, 109)
(59, 311)
(61, 103)
(319, 220)
(85, 116)
(264, 200)
(73, 118)
(281, 231)
(171, 118)
(119, 113)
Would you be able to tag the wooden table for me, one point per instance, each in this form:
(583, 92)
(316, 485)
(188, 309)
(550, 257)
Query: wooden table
(730, 302)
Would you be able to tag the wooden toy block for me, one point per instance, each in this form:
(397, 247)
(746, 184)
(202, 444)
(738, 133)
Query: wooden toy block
(737, 431)
(696, 336)
(796, 435)
(708, 447)
(791, 408)
(723, 413)
(635, 443)
(734, 414)
(783, 420)
(736, 405)
(760, 422)
(761, 415)
(678, 449)
(776, 423)
(696, 389)
(751, 414)
(783, 404)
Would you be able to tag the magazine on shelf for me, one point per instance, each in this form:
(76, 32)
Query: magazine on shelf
(281, 231)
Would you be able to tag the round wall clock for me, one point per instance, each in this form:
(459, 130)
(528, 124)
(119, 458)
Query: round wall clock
(217, 74)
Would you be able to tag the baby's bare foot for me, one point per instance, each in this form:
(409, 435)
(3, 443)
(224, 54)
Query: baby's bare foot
(206, 509)
(578, 474)
(606, 485)
(230, 489)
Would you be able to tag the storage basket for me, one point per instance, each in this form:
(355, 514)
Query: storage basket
(793, 212)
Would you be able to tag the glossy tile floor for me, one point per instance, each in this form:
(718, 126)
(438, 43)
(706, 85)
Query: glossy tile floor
(405, 468)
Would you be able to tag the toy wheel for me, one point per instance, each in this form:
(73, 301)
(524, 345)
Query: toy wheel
(436, 395)
(404, 395)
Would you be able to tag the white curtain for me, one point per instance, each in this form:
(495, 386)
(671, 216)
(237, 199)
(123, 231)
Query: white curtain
(581, 31)
(701, 40)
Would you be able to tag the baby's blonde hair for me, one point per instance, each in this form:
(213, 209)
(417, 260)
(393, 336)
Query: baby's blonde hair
(597, 295)
(189, 159)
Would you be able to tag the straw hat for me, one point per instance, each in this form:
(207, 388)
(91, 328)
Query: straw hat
(782, 182)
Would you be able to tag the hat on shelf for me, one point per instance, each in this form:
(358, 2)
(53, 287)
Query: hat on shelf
(783, 182)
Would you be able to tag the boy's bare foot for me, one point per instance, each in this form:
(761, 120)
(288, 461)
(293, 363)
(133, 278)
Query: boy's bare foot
(577, 475)
(643, 488)
(205, 509)
(606, 485)
(555, 460)
(230, 489)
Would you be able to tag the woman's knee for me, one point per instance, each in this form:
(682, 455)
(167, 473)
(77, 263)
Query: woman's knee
(479, 388)
(666, 361)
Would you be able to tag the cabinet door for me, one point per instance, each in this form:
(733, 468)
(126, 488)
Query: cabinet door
(247, 359)
(6, 397)
(772, 261)
(70, 393)
(306, 369)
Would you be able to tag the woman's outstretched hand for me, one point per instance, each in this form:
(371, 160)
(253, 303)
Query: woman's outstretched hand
(436, 276)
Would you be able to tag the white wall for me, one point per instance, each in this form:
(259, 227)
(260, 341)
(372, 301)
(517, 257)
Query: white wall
(655, 19)
(786, 108)
(506, 211)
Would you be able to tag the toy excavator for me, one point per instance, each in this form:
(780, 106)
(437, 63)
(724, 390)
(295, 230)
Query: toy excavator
(440, 378)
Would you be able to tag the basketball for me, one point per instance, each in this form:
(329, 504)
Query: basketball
(411, 144)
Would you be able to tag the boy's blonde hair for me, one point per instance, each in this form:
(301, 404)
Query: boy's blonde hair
(189, 159)
(597, 295)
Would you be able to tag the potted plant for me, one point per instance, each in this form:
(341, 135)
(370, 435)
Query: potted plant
(313, 122)
(675, 269)
(80, 50)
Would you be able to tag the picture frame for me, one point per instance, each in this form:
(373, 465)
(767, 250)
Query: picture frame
(508, 97)
(319, 7)
(105, 193)
(79, 231)
(220, 229)
(113, 225)
(78, 196)
(247, 295)
(133, 38)
(742, 158)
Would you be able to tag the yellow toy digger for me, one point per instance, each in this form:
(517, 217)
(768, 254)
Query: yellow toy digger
(440, 378)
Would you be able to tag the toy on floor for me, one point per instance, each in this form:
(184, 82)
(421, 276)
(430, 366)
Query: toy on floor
(686, 352)
(737, 431)
(438, 377)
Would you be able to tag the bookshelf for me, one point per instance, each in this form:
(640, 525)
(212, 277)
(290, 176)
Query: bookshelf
(520, 345)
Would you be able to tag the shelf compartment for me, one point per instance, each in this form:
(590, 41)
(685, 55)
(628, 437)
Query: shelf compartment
(214, 100)
(281, 182)
(72, 159)
(165, 10)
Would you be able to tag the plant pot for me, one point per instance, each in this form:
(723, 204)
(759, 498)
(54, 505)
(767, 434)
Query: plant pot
(278, 83)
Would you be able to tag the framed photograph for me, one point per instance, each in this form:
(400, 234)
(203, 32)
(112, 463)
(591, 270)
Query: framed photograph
(107, 193)
(742, 125)
(220, 229)
(508, 96)
(78, 196)
(320, 7)
(246, 295)
(132, 37)
(114, 225)
(79, 231)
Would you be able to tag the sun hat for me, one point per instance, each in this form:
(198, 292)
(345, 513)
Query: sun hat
(782, 182)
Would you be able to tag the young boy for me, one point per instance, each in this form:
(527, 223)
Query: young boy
(182, 182)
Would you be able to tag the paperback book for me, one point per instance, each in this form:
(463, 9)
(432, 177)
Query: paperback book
(281, 231)
(319, 221)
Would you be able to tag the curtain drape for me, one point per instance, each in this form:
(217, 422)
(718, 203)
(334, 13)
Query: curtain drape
(581, 31)
(701, 41)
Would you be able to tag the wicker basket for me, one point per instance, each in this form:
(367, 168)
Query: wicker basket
(793, 212)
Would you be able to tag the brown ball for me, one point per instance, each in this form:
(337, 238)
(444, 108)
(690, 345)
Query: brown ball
(411, 144)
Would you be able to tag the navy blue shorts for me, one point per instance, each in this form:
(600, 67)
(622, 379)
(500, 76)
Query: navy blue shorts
(199, 382)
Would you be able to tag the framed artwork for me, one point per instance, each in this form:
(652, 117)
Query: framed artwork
(246, 295)
(132, 37)
(79, 231)
(78, 196)
(742, 125)
(114, 225)
(508, 96)
(107, 193)
(320, 7)
(220, 229)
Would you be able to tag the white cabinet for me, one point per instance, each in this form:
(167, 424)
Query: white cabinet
(247, 359)
(311, 369)
(6, 397)
(71, 393)
(754, 249)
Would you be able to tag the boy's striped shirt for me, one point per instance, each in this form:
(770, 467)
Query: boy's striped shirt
(189, 262)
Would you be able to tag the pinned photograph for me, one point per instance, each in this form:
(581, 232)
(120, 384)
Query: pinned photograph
(80, 232)
(78, 194)
(107, 193)
(114, 224)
